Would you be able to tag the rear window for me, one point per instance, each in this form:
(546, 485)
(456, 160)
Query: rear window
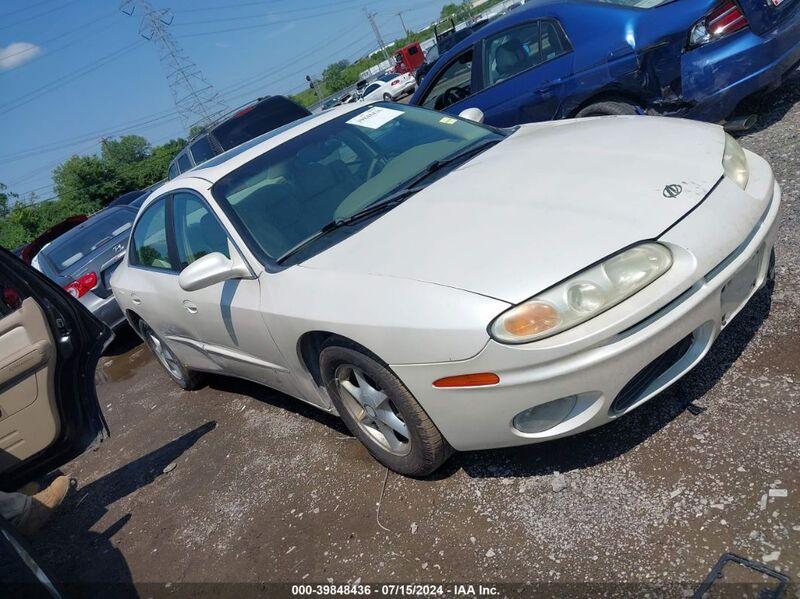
(85, 239)
(265, 116)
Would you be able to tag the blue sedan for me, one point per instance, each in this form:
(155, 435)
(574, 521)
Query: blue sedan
(555, 59)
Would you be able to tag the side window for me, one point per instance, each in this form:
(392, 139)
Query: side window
(454, 83)
(553, 40)
(197, 231)
(511, 52)
(183, 162)
(201, 150)
(371, 88)
(149, 240)
(173, 170)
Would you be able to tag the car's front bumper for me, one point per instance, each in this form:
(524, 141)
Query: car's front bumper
(716, 77)
(721, 253)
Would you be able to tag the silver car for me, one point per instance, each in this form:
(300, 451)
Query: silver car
(83, 259)
(445, 285)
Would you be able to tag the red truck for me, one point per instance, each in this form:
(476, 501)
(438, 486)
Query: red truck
(408, 58)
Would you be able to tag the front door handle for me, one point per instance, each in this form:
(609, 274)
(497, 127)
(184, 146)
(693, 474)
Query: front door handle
(135, 300)
(190, 307)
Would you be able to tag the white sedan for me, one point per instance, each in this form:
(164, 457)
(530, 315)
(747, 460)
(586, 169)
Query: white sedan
(389, 87)
(444, 285)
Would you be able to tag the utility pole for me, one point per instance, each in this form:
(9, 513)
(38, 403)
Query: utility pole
(371, 18)
(402, 22)
(196, 100)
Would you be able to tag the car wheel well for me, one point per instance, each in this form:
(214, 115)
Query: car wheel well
(313, 342)
(609, 96)
(135, 320)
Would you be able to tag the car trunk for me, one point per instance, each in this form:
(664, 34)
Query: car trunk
(763, 15)
(103, 262)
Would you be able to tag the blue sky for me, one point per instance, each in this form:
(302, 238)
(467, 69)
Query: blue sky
(245, 48)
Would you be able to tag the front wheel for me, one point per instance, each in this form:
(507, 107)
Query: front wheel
(609, 108)
(387, 97)
(381, 412)
(182, 376)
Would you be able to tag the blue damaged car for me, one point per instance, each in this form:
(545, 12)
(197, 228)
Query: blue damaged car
(553, 59)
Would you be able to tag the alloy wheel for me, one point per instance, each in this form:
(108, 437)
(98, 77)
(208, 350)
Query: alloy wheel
(165, 356)
(372, 410)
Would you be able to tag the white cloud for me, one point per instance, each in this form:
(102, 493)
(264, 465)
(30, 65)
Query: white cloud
(17, 54)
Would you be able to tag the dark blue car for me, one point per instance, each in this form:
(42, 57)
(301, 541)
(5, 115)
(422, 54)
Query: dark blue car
(553, 59)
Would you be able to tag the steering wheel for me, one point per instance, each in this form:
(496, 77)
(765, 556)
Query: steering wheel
(453, 95)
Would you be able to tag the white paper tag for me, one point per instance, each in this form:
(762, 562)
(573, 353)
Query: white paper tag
(375, 118)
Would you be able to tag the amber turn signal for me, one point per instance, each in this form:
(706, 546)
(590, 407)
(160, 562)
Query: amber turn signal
(479, 379)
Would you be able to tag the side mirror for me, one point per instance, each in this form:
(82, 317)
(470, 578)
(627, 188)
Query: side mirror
(211, 269)
(472, 114)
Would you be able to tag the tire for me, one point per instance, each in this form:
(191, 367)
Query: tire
(608, 109)
(424, 450)
(388, 98)
(771, 271)
(183, 377)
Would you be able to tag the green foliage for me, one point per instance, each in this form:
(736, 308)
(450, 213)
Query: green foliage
(88, 182)
(85, 184)
(125, 150)
(5, 200)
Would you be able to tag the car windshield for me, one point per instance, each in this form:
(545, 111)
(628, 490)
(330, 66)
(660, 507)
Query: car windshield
(637, 3)
(83, 240)
(335, 170)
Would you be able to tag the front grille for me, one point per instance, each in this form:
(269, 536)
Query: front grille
(635, 388)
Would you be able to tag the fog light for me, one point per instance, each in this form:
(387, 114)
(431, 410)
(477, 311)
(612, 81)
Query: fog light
(544, 416)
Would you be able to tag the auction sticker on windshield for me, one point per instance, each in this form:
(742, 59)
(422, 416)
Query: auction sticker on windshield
(375, 118)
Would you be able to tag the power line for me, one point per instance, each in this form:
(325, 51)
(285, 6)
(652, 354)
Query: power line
(195, 98)
(65, 79)
(272, 13)
(36, 16)
(371, 18)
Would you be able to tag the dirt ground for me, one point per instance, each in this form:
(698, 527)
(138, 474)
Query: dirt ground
(237, 483)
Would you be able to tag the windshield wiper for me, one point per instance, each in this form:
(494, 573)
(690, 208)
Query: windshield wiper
(386, 202)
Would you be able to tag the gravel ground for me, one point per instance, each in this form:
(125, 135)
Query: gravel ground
(267, 489)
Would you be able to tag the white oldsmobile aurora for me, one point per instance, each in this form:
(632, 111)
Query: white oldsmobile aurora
(444, 285)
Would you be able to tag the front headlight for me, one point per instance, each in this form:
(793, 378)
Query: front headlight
(734, 162)
(583, 296)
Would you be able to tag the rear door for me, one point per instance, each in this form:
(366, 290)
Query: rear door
(49, 348)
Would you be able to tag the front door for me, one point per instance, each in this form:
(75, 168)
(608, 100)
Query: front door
(225, 317)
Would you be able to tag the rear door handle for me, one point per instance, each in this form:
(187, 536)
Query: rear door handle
(190, 307)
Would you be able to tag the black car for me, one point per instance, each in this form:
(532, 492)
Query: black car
(258, 118)
(48, 401)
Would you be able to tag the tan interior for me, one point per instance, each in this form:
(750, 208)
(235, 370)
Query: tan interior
(29, 419)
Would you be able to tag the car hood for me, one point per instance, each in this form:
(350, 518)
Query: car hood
(545, 203)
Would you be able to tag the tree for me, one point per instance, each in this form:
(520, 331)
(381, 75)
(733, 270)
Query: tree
(338, 75)
(127, 150)
(88, 183)
(449, 10)
(5, 200)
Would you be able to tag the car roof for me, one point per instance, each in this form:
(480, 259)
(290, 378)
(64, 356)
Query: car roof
(219, 166)
(538, 8)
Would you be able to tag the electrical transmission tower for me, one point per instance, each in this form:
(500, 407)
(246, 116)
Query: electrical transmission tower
(196, 100)
(371, 18)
